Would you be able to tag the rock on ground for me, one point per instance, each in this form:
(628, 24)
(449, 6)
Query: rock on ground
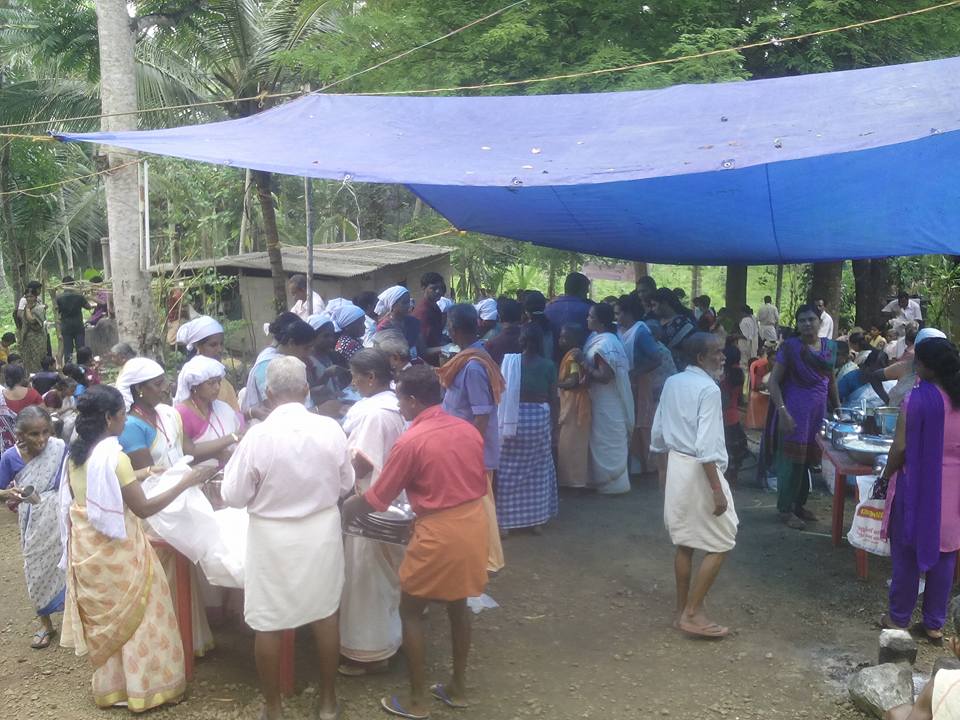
(897, 646)
(881, 687)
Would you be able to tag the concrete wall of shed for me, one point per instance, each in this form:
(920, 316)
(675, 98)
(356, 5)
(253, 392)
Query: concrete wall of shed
(256, 295)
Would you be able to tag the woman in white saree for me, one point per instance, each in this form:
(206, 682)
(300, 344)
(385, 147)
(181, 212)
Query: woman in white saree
(612, 399)
(370, 631)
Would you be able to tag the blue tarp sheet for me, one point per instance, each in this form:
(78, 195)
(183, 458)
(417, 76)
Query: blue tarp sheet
(864, 163)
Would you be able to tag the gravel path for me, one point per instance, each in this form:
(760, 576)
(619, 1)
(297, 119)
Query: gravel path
(583, 631)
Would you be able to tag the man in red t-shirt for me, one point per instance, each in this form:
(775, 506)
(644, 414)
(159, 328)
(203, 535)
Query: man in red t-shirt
(438, 461)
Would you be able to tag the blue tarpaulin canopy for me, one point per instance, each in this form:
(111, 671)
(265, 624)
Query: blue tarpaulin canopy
(864, 163)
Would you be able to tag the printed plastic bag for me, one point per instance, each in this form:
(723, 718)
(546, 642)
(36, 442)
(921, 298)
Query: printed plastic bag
(867, 520)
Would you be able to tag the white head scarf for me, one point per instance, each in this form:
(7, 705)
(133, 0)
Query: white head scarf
(487, 309)
(332, 306)
(345, 314)
(389, 297)
(444, 303)
(135, 371)
(197, 370)
(320, 319)
(927, 333)
(198, 329)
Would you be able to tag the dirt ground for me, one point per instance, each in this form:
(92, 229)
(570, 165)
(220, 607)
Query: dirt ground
(583, 630)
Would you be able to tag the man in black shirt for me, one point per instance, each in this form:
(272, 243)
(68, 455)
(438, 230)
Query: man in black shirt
(70, 306)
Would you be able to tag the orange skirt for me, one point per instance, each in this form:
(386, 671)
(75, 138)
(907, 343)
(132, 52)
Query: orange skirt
(757, 411)
(447, 555)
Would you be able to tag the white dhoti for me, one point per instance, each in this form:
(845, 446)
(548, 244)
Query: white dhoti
(294, 570)
(370, 628)
(688, 507)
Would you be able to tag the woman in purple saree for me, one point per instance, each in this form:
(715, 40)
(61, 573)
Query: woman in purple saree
(922, 514)
(800, 384)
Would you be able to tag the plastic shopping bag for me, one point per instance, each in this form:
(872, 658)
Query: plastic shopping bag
(867, 520)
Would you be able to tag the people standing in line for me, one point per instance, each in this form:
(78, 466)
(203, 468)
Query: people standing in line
(801, 385)
(826, 320)
(474, 386)
(759, 402)
(394, 345)
(904, 309)
(348, 320)
(70, 307)
(290, 472)
(703, 313)
(439, 463)
(31, 320)
(612, 404)
(507, 340)
(36, 461)
(204, 416)
(297, 288)
(731, 394)
(526, 494)
(698, 505)
(393, 309)
(119, 609)
(768, 317)
(573, 436)
(643, 358)
(676, 321)
(430, 316)
(572, 306)
(922, 512)
(655, 379)
(370, 630)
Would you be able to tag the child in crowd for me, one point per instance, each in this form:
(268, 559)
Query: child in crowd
(6, 342)
(89, 365)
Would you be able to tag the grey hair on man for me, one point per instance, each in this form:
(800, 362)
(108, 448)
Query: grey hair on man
(287, 380)
(392, 343)
(463, 317)
(124, 351)
(697, 345)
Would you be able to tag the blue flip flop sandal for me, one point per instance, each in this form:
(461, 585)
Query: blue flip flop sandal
(440, 693)
(392, 705)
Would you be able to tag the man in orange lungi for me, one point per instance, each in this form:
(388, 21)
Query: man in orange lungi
(439, 463)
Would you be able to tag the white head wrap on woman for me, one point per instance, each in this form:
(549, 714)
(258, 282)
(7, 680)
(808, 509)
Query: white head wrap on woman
(346, 314)
(135, 371)
(197, 370)
(332, 305)
(928, 333)
(318, 320)
(198, 329)
(390, 297)
(487, 309)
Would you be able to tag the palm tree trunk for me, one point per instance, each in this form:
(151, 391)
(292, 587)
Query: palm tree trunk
(19, 265)
(118, 92)
(67, 242)
(262, 180)
(779, 293)
(826, 285)
(245, 217)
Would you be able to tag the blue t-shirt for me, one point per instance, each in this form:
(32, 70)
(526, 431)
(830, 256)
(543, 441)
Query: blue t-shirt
(137, 434)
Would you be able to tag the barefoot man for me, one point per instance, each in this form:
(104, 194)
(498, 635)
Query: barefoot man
(698, 507)
(439, 462)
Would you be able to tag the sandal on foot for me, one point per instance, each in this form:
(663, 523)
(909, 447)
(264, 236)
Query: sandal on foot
(805, 515)
(392, 705)
(440, 693)
(886, 623)
(713, 631)
(920, 630)
(42, 638)
(792, 521)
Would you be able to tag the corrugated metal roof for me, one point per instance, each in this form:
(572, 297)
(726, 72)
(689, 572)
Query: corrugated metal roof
(339, 260)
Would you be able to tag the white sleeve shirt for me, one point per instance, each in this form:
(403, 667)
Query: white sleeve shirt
(826, 325)
(910, 313)
(689, 418)
(302, 310)
(292, 465)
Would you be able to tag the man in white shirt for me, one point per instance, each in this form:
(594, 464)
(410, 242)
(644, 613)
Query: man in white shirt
(698, 506)
(826, 321)
(769, 318)
(290, 472)
(297, 287)
(903, 309)
(750, 330)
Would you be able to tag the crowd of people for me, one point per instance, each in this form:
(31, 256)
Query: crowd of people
(468, 417)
